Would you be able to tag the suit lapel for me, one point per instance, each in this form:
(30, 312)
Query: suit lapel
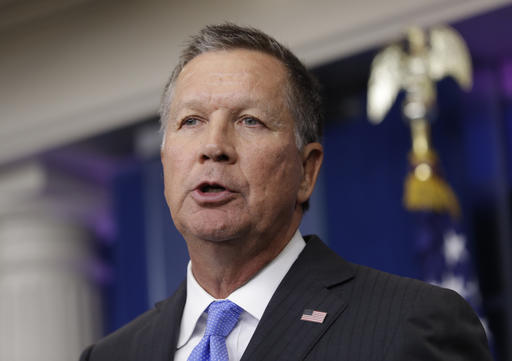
(165, 330)
(313, 282)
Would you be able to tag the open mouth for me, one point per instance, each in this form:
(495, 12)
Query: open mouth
(211, 188)
(210, 194)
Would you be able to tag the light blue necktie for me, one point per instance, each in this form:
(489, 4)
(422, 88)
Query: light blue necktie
(222, 318)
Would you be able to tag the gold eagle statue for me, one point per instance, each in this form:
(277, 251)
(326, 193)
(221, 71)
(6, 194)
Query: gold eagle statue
(415, 68)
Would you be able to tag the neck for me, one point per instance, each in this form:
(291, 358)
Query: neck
(222, 267)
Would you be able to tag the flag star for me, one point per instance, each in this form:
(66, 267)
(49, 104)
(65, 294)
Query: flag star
(458, 284)
(454, 248)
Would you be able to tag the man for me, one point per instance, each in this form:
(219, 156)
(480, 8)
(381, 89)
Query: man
(241, 120)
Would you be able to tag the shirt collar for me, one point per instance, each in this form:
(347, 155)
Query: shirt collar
(253, 296)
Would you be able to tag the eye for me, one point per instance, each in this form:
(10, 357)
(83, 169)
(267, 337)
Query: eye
(251, 121)
(190, 122)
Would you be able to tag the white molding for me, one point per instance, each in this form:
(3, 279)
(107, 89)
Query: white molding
(99, 66)
(389, 28)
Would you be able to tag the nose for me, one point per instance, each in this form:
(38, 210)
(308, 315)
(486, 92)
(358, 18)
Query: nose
(218, 145)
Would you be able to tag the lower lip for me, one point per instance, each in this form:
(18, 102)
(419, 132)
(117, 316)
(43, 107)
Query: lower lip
(212, 198)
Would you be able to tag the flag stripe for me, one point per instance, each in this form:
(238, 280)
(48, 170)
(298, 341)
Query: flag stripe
(313, 316)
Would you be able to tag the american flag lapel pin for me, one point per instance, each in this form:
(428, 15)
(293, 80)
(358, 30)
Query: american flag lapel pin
(313, 316)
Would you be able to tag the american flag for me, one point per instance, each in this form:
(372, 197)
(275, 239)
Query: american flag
(445, 258)
(313, 316)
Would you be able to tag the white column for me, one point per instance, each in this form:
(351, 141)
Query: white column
(49, 307)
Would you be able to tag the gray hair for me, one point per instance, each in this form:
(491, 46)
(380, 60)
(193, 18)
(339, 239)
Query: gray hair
(303, 95)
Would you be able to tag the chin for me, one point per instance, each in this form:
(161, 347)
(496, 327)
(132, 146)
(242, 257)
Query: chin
(216, 234)
(215, 228)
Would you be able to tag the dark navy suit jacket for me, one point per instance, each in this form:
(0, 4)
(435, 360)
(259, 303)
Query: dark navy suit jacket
(371, 316)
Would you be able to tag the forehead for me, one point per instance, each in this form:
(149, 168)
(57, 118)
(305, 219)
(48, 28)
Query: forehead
(231, 75)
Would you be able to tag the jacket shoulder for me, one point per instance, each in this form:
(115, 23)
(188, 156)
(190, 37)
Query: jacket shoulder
(409, 292)
(423, 320)
(152, 333)
(120, 345)
(401, 289)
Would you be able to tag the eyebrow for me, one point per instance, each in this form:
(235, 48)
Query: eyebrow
(197, 104)
(193, 103)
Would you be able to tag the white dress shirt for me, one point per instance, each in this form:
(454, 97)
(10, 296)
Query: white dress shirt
(253, 297)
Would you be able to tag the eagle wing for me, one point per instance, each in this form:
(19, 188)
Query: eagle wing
(386, 80)
(449, 56)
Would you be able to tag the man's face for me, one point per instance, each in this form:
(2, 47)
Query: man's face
(231, 165)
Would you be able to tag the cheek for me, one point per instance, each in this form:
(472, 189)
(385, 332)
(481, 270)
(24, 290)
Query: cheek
(276, 175)
(174, 164)
(177, 156)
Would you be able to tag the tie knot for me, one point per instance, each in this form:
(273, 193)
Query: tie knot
(222, 318)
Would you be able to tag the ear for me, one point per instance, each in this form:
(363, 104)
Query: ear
(312, 156)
